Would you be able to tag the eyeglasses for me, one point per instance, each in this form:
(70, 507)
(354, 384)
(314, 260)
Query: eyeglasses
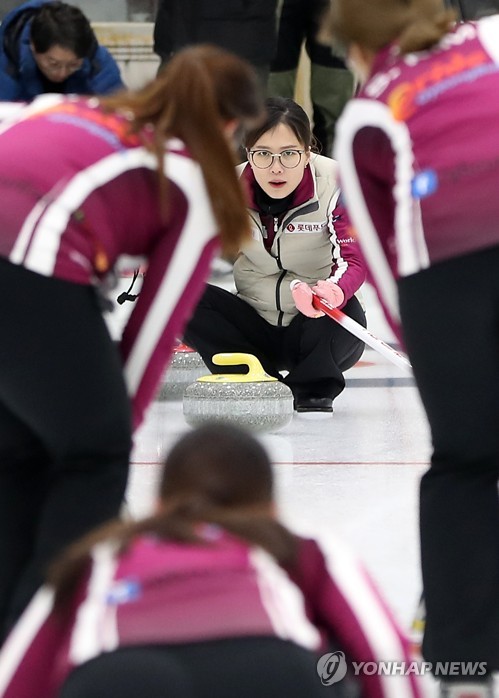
(52, 66)
(263, 159)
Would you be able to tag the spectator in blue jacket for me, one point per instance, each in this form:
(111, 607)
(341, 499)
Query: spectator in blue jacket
(50, 47)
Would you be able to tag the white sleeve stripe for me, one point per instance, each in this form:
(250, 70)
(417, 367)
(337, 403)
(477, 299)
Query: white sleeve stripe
(200, 227)
(488, 27)
(12, 113)
(371, 616)
(412, 251)
(283, 602)
(42, 255)
(23, 240)
(95, 623)
(341, 262)
(359, 214)
(21, 637)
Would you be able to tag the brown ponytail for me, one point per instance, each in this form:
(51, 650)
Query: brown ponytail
(195, 95)
(216, 474)
(429, 26)
(373, 24)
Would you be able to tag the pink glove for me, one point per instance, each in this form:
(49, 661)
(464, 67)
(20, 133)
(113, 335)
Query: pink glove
(302, 296)
(330, 291)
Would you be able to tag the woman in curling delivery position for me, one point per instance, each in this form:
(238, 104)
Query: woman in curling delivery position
(419, 150)
(300, 238)
(210, 596)
(84, 181)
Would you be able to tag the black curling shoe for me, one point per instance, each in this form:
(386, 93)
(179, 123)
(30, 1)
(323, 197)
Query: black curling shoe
(305, 403)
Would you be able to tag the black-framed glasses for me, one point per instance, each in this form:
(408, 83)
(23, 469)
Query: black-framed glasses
(263, 159)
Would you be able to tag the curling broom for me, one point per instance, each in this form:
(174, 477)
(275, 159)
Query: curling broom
(361, 333)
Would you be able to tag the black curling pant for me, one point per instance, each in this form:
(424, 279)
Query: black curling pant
(243, 667)
(450, 316)
(65, 426)
(315, 351)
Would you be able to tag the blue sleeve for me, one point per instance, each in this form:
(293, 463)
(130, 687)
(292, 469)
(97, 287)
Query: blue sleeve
(107, 78)
(9, 87)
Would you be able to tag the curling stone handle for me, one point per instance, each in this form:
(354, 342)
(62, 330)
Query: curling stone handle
(255, 368)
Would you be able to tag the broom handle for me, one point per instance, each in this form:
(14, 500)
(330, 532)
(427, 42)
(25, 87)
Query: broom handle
(361, 333)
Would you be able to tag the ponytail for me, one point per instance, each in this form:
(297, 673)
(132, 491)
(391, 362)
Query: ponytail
(425, 32)
(216, 474)
(195, 95)
(178, 523)
(416, 25)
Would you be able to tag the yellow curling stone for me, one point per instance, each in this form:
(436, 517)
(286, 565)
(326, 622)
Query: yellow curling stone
(253, 400)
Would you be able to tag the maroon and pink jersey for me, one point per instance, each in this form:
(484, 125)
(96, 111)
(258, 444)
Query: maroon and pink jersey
(418, 151)
(162, 592)
(80, 193)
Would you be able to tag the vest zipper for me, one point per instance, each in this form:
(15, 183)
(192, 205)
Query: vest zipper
(281, 278)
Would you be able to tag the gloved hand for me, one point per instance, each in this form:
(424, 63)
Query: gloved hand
(302, 296)
(330, 291)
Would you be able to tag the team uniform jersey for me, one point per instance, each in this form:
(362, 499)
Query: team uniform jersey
(72, 208)
(420, 136)
(161, 592)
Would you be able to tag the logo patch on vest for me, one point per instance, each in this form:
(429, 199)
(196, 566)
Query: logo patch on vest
(309, 227)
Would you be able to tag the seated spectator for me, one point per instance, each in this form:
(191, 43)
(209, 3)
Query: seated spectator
(50, 47)
(300, 237)
(210, 596)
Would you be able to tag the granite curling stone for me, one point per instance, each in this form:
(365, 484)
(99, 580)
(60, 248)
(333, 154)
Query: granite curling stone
(186, 366)
(253, 400)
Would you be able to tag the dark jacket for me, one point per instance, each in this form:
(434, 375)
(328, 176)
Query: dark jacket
(20, 78)
(245, 27)
(474, 9)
